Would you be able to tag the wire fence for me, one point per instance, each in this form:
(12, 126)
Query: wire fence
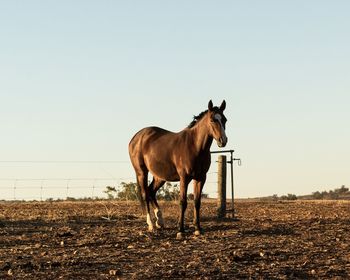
(54, 188)
(41, 188)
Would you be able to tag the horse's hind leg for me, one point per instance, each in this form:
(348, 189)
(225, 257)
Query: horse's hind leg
(154, 187)
(142, 181)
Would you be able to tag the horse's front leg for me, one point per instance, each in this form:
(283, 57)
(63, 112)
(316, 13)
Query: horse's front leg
(183, 206)
(197, 189)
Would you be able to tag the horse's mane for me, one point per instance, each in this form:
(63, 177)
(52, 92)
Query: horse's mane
(197, 118)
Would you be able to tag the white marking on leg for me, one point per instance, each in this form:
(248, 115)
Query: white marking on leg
(159, 216)
(149, 222)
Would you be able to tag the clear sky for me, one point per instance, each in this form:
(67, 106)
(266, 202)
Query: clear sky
(79, 78)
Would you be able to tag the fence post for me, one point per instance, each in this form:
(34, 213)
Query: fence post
(221, 210)
(41, 190)
(67, 188)
(93, 189)
(14, 189)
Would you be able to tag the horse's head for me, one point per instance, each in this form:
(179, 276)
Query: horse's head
(217, 123)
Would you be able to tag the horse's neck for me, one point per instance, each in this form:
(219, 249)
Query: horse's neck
(202, 139)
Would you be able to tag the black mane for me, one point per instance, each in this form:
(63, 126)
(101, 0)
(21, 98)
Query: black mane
(197, 118)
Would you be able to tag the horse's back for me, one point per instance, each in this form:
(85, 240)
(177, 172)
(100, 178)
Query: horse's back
(147, 137)
(148, 134)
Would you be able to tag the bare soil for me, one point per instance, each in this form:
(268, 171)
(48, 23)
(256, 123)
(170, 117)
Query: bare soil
(109, 240)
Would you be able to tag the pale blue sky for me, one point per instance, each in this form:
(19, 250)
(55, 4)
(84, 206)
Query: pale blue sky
(79, 78)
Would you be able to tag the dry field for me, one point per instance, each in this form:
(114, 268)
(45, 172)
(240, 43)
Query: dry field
(270, 240)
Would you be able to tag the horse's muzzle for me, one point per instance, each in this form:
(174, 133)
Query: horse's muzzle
(222, 141)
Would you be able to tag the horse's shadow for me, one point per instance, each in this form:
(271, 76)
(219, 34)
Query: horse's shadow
(275, 230)
(209, 224)
(212, 224)
(220, 227)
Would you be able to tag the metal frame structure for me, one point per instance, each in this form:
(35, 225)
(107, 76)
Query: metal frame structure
(231, 161)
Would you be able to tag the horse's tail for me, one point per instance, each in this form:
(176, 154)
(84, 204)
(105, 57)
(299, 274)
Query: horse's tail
(135, 153)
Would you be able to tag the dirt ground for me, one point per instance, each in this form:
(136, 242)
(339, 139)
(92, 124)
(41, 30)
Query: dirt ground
(109, 240)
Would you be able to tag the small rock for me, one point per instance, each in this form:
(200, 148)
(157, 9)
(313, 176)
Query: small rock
(179, 236)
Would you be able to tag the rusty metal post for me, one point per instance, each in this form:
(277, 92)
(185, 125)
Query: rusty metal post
(221, 210)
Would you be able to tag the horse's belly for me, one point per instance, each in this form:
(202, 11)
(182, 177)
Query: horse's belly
(164, 171)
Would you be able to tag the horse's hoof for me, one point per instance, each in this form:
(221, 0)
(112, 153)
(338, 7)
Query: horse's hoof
(197, 233)
(159, 226)
(179, 236)
(150, 229)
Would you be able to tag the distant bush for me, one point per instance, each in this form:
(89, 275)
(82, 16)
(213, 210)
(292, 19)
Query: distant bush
(126, 191)
(130, 191)
(338, 193)
(169, 192)
(342, 190)
(317, 195)
(289, 197)
(111, 192)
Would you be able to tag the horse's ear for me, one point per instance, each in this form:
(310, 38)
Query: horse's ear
(210, 105)
(223, 106)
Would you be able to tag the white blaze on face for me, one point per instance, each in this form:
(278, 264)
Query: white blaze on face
(223, 133)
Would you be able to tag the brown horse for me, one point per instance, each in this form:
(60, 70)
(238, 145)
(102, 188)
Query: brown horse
(182, 156)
